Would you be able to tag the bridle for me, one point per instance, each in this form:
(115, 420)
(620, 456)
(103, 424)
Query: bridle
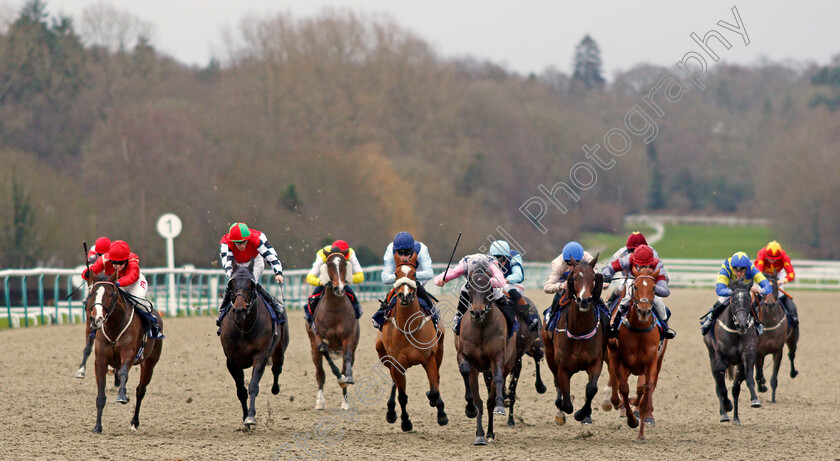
(108, 311)
(734, 314)
(249, 305)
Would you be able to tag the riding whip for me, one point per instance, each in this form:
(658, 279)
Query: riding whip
(87, 265)
(451, 256)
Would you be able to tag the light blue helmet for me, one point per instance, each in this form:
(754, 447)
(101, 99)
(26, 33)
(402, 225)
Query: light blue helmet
(741, 260)
(500, 248)
(573, 250)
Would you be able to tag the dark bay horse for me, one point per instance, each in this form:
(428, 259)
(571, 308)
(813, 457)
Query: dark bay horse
(335, 329)
(732, 343)
(777, 333)
(121, 343)
(410, 338)
(637, 351)
(249, 338)
(527, 343)
(580, 342)
(484, 347)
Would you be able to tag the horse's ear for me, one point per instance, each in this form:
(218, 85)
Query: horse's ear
(413, 259)
(233, 264)
(573, 262)
(230, 285)
(251, 265)
(599, 285)
(656, 274)
(595, 260)
(113, 278)
(633, 271)
(570, 283)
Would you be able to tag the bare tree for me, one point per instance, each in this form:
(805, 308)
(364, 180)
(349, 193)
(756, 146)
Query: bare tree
(115, 30)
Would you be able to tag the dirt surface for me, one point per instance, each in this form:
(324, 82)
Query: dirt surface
(191, 411)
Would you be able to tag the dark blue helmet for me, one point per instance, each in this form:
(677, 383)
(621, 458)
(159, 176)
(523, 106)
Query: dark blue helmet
(403, 241)
(740, 260)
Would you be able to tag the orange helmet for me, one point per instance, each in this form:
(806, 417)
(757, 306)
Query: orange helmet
(773, 250)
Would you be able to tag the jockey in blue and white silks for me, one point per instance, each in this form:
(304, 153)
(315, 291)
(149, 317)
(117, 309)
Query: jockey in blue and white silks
(510, 262)
(404, 247)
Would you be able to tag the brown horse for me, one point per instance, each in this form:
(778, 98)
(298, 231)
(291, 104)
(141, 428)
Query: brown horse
(121, 343)
(637, 351)
(335, 329)
(249, 338)
(411, 338)
(90, 334)
(777, 333)
(581, 342)
(530, 343)
(484, 347)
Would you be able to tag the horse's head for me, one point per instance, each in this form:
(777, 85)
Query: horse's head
(479, 286)
(773, 278)
(584, 285)
(406, 283)
(337, 271)
(103, 300)
(243, 289)
(741, 309)
(643, 285)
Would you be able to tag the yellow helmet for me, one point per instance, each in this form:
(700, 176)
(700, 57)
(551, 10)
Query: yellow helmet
(773, 250)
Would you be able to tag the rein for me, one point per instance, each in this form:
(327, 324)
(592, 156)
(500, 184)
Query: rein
(247, 311)
(110, 310)
(636, 302)
(587, 335)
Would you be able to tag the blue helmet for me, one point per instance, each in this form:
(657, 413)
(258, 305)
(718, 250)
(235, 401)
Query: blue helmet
(500, 248)
(572, 250)
(741, 260)
(403, 241)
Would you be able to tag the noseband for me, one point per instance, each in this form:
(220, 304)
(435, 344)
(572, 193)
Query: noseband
(638, 301)
(109, 309)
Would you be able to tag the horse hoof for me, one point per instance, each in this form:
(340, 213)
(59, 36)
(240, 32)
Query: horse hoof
(650, 421)
(275, 389)
(471, 411)
(122, 399)
(580, 416)
(250, 422)
(632, 423)
(97, 430)
(507, 403)
(541, 388)
(499, 410)
(559, 418)
(587, 421)
(511, 422)
(606, 405)
(443, 420)
(346, 380)
(755, 403)
(133, 428)
(391, 417)
(81, 373)
(736, 422)
(793, 373)
(727, 405)
(640, 439)
(319, 405)
(724, 418)
(480, 441)
(406, 425)
(762, 388)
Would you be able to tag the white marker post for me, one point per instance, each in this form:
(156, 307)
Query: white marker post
(169, 227)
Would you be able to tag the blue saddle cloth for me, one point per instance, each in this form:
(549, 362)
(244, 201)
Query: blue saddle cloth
(551, 323)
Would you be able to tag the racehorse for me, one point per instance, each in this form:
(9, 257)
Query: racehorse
(121, 344)
(484, 346)
(582, 341)
(335, 329)
(732, 343)
(777, 333)
(530, 343)
(637, 351)
(410, 338)
(249, 337)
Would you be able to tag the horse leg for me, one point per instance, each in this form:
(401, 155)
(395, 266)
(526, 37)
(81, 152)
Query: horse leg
(433, 374)
(791, 341)
(641, 381)
(254, 389)
(122, 375)
(748, 361)
(466, 371)
(759, 372)
(347, 369)
(391, 414)
(774, 380)
(491, 398)
(646, 400)
(514, 379)
(238, 376)
(399, 381)
(563, 402)
(584, 415)
(85, 354)
(324, 351)
(478, 404)
(736, 392)
(320, 376)
(146, 370)
(100, 369)
(539, 385)
(277, 368)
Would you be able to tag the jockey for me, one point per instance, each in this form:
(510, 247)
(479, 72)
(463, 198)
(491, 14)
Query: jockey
(404, 247)
(774, 259)
(643, 256)
(510, 261)
(127, 264)
(572, 255)
(103, 244)
(497, 280)
(633, 241)
(314, 278)
(244, 244)
(736, 268)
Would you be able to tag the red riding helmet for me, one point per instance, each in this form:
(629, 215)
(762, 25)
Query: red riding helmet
(239, 232)
(119, 251)
(635, 239)
(341, 245)
(103, 244)
(643, 256)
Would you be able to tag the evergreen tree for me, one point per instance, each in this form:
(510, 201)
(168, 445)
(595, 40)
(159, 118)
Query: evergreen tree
(588, 64)
(827, 76)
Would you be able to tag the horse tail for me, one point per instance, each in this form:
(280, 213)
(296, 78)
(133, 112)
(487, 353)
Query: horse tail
(730, 372)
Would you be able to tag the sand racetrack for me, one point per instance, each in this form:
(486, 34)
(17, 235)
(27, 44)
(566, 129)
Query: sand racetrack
(191, 411)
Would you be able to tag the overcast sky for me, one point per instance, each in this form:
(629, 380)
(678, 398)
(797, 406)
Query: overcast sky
(523, 36)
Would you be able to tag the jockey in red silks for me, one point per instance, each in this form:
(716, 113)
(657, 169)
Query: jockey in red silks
(773, 259)
(317, 278)
(127, 264)
(633, 241)
(243, 244)
(103, 244)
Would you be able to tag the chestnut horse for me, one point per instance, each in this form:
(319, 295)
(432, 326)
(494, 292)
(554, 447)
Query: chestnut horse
(411, 338)
(249, 338)
(581, 342)
(484, 346)
(334, 329)
(637, 351)
(530, 343)
(731, 343)
(777, 333)
(121, 344)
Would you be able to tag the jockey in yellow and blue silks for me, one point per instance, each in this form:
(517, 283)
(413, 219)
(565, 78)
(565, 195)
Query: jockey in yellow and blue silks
(404, 247)
(314, 278)
(737, 268)
(510, 262)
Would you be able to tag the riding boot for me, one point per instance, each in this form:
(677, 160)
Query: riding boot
(662, 316)
(509, 310)
(378, 317)
(424, 295)
(463, 306)
(759, 327)
(224, 307)
(790, 310)
(357, 308)
(616, 323)
(709, 318)
(524, 310)
(614, 296)
(274, 302)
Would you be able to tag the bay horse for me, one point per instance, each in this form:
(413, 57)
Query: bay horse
(777, 333)
(335, 329)
(115, 318)
(527, 343)
(249, 338)
(581, 342)
(732, 343)
(410, 338)
(484, 346)
(638, 351)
